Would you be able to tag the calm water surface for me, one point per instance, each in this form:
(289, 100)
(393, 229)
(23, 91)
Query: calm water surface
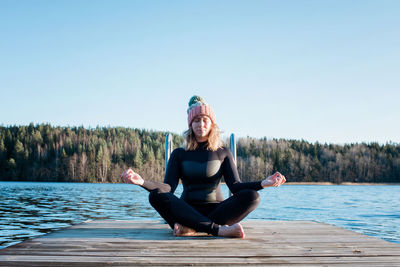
(32, 209)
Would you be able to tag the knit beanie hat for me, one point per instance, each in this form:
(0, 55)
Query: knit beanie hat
(197, 106)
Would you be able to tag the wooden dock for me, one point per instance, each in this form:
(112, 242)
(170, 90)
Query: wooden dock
(132, 243)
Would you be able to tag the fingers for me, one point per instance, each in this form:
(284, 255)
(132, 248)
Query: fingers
(283, 180)
(276, 174)
(126, 175)
(274, 179)
(131, 177)
(123, 175)
(279, 179)
(126, 172)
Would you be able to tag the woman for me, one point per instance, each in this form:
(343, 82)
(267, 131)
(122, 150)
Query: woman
(200, 166)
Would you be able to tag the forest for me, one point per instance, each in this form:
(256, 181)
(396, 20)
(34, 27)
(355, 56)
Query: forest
(43, 152)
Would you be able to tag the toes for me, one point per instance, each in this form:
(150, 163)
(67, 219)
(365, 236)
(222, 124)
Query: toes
(176, 229)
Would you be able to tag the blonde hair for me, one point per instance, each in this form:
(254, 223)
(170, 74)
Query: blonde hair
(214, 141)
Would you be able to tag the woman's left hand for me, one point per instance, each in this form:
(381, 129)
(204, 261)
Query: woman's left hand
(274, 180)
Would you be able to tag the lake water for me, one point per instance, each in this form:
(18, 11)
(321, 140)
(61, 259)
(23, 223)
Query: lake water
(31, 209)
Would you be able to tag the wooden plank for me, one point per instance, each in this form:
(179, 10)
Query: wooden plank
(283, 243)
(205, 260)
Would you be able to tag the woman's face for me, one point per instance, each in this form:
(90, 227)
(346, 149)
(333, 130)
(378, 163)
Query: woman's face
(201, 126)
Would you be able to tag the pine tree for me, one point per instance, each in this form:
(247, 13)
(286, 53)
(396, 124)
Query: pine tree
(138, 160)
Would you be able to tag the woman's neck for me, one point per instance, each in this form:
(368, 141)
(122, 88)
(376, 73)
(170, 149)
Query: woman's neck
(202, 139)
(202, 145)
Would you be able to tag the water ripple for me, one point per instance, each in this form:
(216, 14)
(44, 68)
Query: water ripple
(31, 209)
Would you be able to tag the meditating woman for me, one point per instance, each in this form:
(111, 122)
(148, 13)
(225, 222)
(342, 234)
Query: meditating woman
(200, 166)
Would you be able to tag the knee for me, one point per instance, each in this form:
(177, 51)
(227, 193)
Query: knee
(249, 195)
(154, 197)
(157, 198)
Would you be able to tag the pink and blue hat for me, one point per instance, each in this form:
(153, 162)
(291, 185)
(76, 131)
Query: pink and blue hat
(197, 106)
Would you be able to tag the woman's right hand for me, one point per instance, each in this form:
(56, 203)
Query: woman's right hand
(132, 177)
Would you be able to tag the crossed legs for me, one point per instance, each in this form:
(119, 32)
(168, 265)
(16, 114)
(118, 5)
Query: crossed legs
(219, 219)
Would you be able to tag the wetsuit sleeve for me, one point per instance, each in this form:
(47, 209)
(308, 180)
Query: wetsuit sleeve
(150, 185)
(231, 176)
(173, 172)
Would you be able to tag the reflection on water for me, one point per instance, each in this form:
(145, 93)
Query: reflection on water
(32, 209)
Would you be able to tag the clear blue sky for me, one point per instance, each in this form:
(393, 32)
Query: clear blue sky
(326, 71)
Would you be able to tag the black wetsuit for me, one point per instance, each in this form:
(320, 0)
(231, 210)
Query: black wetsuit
(201, 206)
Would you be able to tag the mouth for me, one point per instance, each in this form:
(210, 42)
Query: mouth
(201, 130)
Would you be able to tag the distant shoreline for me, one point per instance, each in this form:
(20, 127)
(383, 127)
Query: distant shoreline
(329, 183)
(287, 183)
(344, 183)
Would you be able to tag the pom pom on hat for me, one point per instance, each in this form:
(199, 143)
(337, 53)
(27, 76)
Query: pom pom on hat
(197, 106)
(196, 100)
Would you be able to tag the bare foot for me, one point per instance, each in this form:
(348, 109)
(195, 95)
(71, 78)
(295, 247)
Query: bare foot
(234, 230)
(180, 230)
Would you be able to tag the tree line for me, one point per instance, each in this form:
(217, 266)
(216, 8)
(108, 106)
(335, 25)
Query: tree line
(301, 161)
(75, 154)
